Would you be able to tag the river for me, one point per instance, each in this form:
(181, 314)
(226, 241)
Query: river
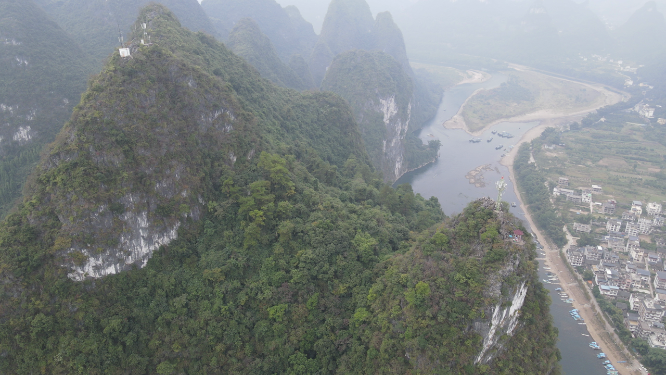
(445, 179)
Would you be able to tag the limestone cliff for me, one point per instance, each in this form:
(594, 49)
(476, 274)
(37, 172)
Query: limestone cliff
(133, 165)
(41, 78)
(382, 97)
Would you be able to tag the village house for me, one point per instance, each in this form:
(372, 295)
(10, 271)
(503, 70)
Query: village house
(632, 229)
(586, 198)
(593, 253)
(561, 191)
(629, 216)
(576, 199)
(635, 299)
(637, 254)
(585, 228)
(613, 225)
(650, 310)
(653, 208)
(614, 241)
(633, 243)
(575, 257)
(596, 189)
(632, 322)
(630, 268)
(657, 340)
(637, 207)
(610, 257)
(660, 280)
(661, 294)
(608, 208)
(653, 258)
(563, 181)
(644, 225)
(609, 290)
(658, 221)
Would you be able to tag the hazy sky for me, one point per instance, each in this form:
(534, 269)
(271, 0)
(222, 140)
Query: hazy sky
(314, 11)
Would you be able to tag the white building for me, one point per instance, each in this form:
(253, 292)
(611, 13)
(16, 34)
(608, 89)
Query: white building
(613, 225)
(653, 208)
(587, 198)
(596, 189)
(633, 229)
(644, 225)
(658, 221)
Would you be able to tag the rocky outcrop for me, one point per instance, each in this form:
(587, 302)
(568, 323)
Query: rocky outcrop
(381, 96)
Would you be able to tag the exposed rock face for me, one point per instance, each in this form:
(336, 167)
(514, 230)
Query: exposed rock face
(146, 146)
(41, 78)
(382, 104)
(143, 141)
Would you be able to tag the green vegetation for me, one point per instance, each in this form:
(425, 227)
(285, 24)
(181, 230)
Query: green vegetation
(298, 260)
(247, 41)
(621, 153)
(38, 93)
(381, 96)
(532, 184)
(526, 92)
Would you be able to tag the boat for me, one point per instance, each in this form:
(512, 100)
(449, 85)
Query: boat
(494, 131)
(475, 140)
(513, 204)
(558, 289)
(490, 140)
(546, 268)
(499, 147)
(503, 155)
(546, 281)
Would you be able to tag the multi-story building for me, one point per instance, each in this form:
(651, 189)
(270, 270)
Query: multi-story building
(585, 228)
(615, 241)
(563, 181)
(650, 310)
(658, 221)
(637, 254)
(660, 280)
(608, 208)
(653, 258)
(575, 257)
(644, 225)
(635, 299)
(653, 208)
(593, 253)
(632, 244)
(629, 216)
(596, 189)
(613, 225)
(632, 229)
(586, 197)
(576, 199)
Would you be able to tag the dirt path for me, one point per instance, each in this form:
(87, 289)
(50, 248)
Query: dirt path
(598, 328)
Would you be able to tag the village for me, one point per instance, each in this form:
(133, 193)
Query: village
(628, 266)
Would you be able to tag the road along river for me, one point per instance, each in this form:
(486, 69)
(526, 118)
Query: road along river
(466, 171)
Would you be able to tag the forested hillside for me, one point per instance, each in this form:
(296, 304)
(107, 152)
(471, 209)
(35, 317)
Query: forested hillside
(193, 217)
(382, 98)
(42, 73)
(247, 41)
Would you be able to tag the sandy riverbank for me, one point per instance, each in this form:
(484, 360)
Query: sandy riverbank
(598, 331)
(474, 76)
(608, 98)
